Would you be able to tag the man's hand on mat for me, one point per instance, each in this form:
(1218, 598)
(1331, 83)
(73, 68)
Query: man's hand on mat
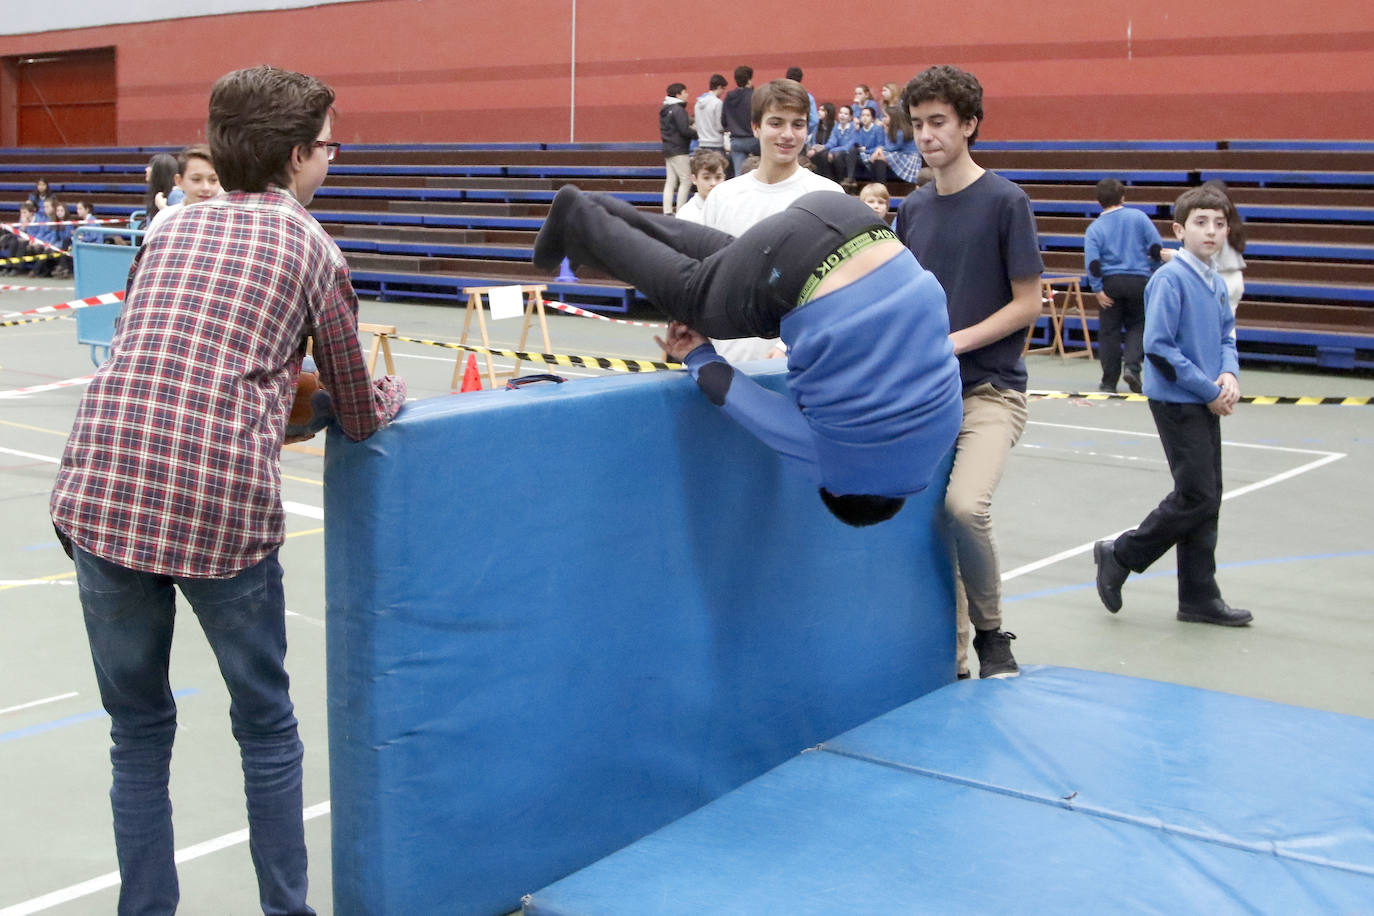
(681, 341)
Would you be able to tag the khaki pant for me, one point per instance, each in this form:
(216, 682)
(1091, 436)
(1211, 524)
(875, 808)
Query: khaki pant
(994, 419)
(679, 179)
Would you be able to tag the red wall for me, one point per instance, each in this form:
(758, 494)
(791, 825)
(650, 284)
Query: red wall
(449, 70)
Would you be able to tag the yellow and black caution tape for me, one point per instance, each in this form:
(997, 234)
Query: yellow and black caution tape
(28, 258)
(1259, 399)
(9, 324)
(556, 359)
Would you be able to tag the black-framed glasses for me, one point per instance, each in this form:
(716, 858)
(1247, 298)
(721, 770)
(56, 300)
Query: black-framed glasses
(331, 148)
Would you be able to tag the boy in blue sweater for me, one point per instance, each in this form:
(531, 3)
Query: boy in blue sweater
(1120, 251)
(1190, 379)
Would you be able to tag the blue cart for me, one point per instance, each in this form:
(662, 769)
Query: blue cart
(101, 268)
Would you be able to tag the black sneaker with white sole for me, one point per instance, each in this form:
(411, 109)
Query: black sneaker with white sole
(994, 653)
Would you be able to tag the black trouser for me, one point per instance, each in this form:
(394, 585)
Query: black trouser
(719, 285)
(1127, 315)
(1187, 518)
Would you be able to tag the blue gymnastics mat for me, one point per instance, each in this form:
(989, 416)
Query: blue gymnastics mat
(1061, 791)
(561, 617)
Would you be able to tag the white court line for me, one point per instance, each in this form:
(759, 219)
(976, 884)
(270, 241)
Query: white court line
(95, 885)
(42, 702)
(295, 508)
(16, 452)
(1325, 459)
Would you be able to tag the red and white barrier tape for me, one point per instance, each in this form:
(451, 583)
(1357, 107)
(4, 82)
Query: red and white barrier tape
(102, 299)
(574, 310)
(28, 238)
(51, 386)
(5, 287)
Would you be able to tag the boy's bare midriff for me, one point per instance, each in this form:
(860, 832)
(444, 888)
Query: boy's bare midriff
(858, 266)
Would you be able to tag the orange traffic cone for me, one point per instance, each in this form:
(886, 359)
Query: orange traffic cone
(472, 379)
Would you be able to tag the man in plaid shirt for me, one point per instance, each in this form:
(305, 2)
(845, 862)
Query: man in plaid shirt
(171, 477)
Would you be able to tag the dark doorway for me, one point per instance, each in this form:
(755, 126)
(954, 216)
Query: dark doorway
(65, 99)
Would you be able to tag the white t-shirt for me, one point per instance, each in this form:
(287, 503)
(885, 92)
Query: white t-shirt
(735, 206)
(692, 210)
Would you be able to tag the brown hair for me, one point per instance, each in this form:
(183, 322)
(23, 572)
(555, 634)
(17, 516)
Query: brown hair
(194, 151)
(709, 160)
(877, 189)
(1110, 192)
(785, 94)
(257, 117)
(1199, 198)
(957, 88)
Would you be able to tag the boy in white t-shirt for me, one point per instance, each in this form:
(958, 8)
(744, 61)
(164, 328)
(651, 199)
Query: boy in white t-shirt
(780, 112)
(196, 178)
(708, 170)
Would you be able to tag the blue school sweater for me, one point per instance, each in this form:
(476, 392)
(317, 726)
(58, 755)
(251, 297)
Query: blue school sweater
(1120, 241)
(1189, 332)
(875, 400)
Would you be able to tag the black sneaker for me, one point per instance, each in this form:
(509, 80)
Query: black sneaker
(548, 244)
(994, 653)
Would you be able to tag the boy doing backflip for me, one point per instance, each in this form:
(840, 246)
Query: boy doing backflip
(874, 385)
(171, 478)
(1190, 379)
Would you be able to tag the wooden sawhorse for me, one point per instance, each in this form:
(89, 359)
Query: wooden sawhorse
(534, 305)
(1051, 289)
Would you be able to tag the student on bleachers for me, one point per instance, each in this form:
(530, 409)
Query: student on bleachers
(863, 98)
(1121, 250)
(14, 245)
(39, 194)
(891, 98)
(708, 116)
(170, 478)
(1191, 379)
(976, 232)
(63, 239)
(815, 151)
(85, 214)
(708, 170)
(735, 111)
(868, 138)
(838, 145)
(1230, 261)
(675, 129)
(898, 151)
(46, 233)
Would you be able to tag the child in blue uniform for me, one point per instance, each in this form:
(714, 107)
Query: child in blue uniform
(875, 386)
(1190, 379)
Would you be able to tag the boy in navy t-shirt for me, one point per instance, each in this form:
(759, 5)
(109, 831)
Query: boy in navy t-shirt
(1190, 379)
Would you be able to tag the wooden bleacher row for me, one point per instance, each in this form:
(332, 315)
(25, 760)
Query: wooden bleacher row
(425, 221)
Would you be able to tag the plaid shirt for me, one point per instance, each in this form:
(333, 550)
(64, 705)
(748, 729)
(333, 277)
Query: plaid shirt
(173, 464)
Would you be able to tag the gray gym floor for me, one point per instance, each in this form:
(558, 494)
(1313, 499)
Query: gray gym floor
(1295, 548)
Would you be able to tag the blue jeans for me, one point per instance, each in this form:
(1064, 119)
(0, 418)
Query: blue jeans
(129, 619)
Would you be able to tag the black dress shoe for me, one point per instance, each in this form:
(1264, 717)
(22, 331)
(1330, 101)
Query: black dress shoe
(1111, 575)
(549, 245)
(1217, 612)
(1132, 380)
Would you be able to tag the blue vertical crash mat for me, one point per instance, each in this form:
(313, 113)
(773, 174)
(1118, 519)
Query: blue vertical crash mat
(1061, 791)
(564, 616)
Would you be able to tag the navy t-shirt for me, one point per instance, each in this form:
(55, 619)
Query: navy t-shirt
(976, 241)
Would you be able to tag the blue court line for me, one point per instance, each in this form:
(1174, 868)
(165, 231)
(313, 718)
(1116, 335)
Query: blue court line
(75, 720)
(1065, 589)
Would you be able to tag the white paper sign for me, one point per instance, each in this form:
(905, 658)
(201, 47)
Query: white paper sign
(505, 302)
